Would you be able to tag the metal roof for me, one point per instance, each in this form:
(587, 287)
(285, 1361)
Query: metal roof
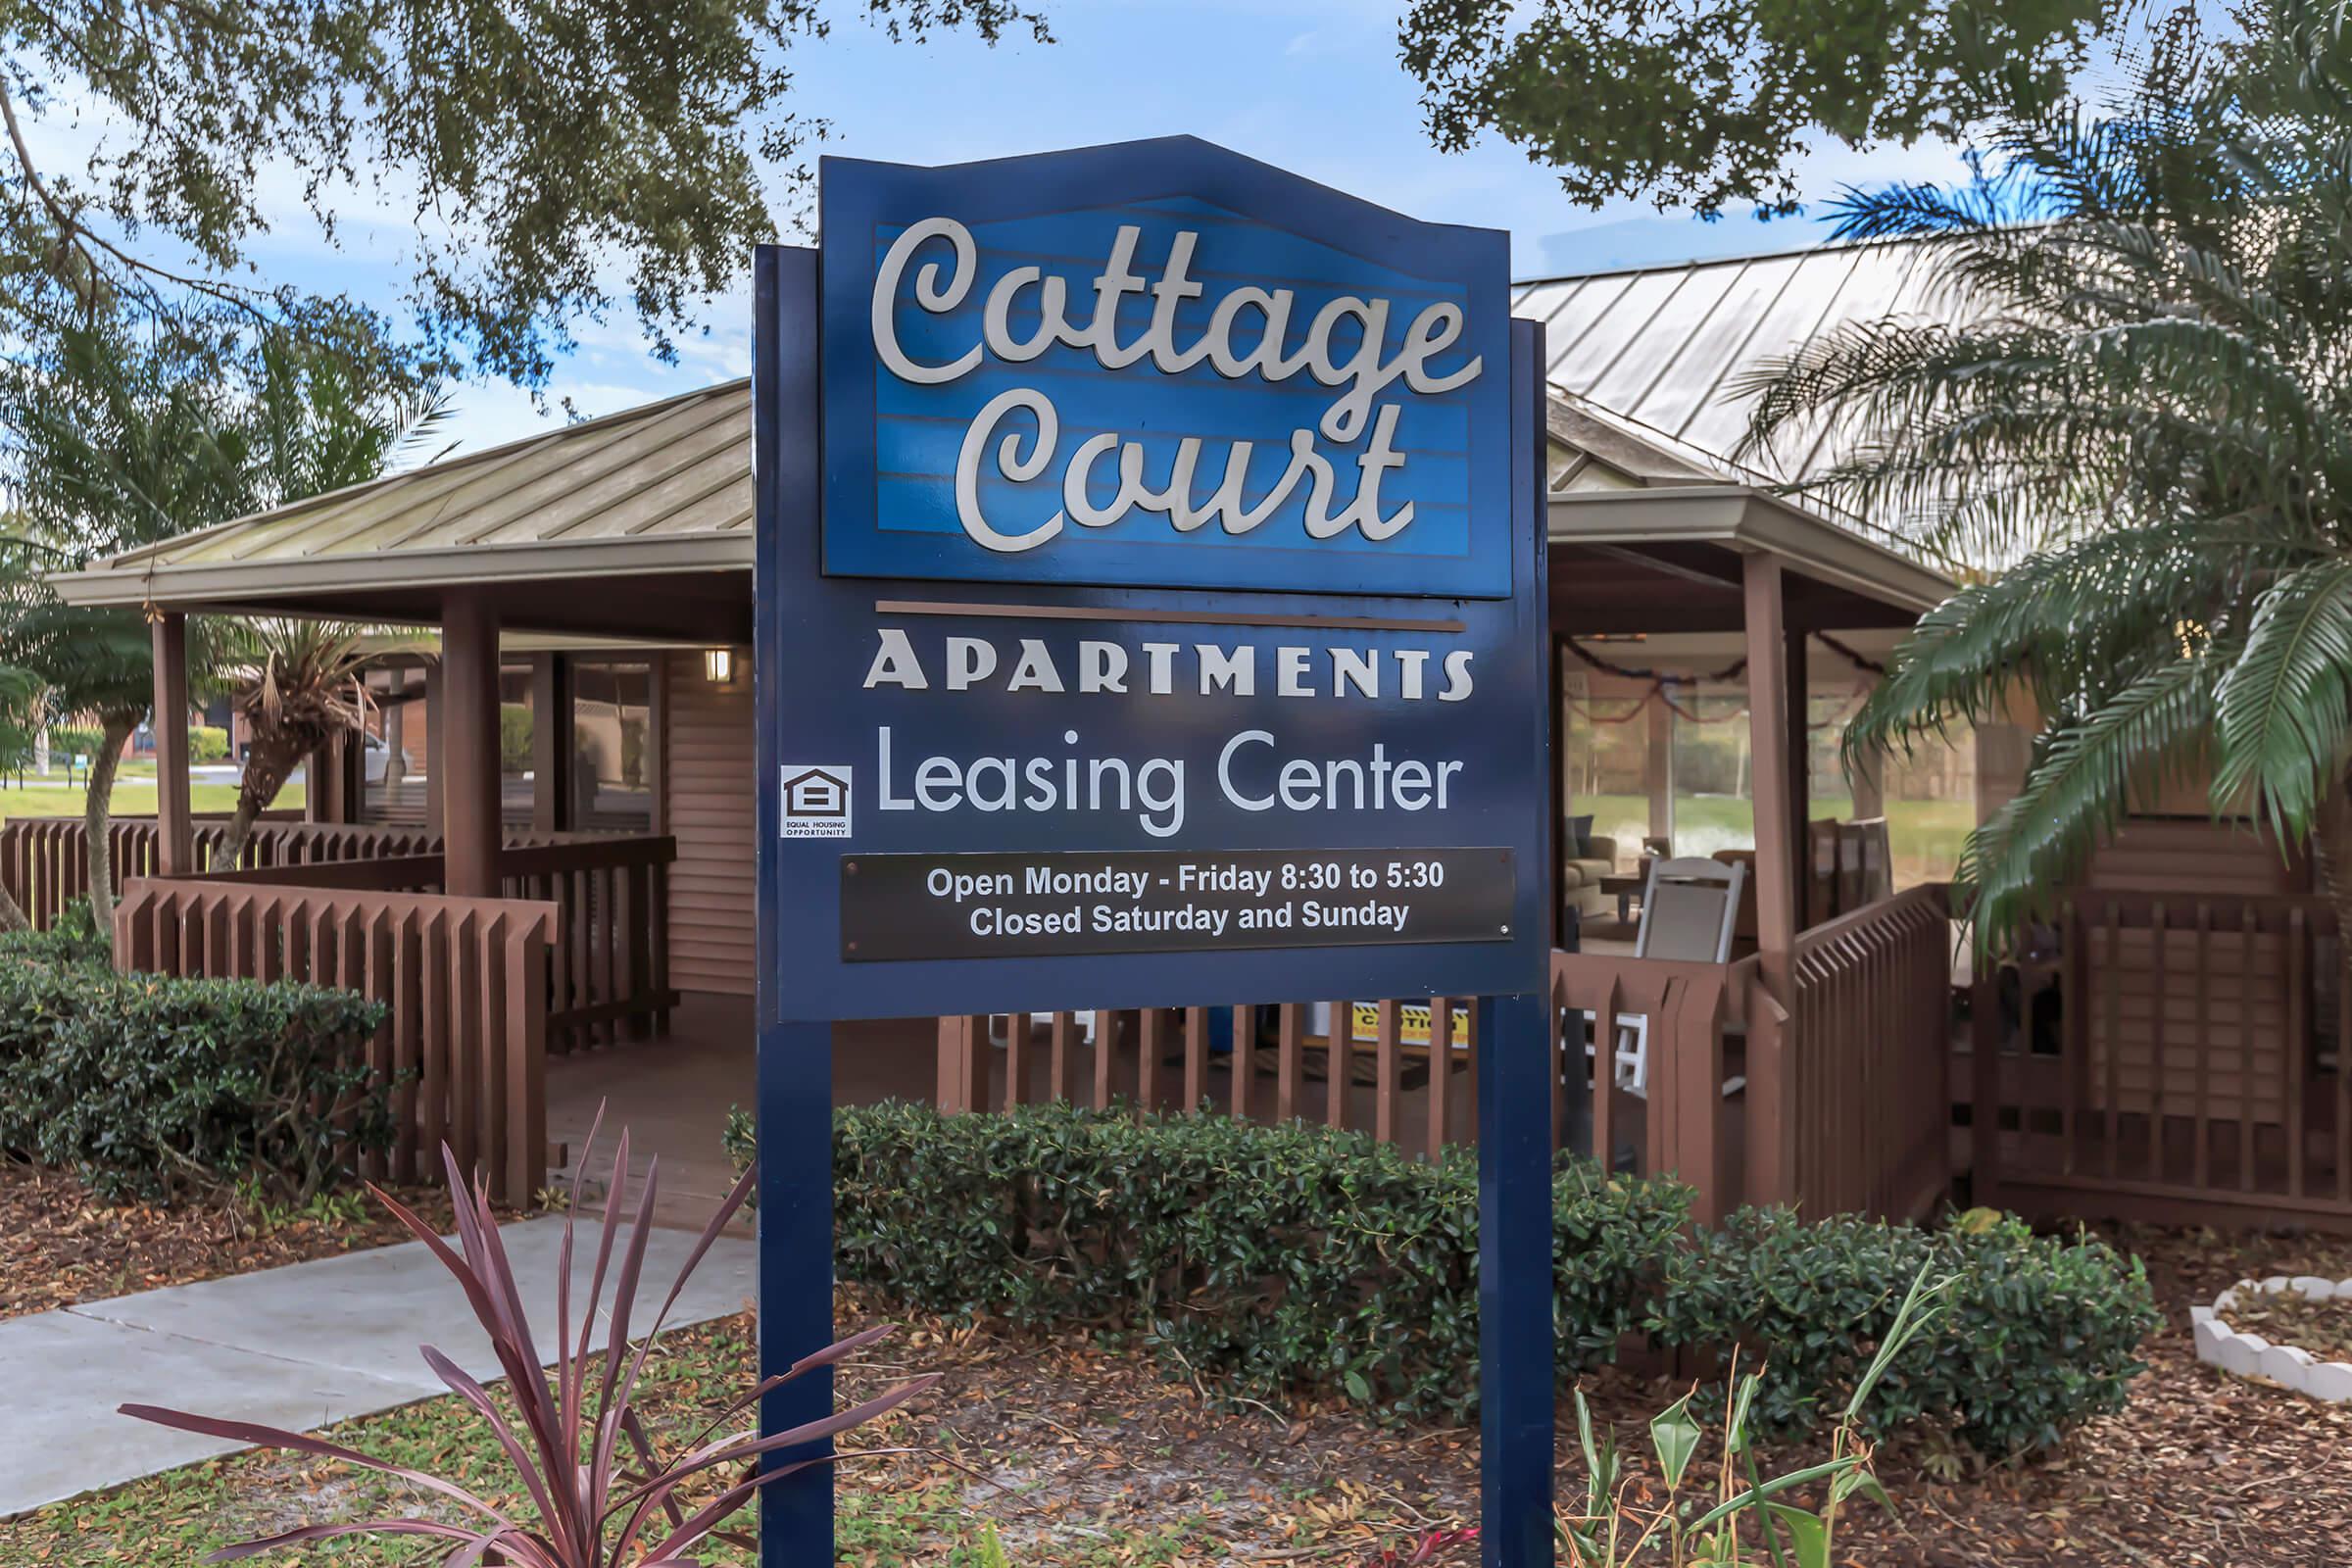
(1656, 351)
(1639, 362)
(665, 487)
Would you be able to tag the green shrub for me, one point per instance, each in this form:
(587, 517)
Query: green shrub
(72, 937)
(2040, 1333)
(1266, 1258)
(514, 738)
(207, 743)
(66, 741)
(1270, 1258)
(156, 1088)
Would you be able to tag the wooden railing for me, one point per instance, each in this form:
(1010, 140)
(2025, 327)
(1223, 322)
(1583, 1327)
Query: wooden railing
(1830, 1101)
(2177, 1056)
(44, 862)
(609, 973)
(1678, 1122)
(1264, 1062)
(464, 982)
(1863, 1116)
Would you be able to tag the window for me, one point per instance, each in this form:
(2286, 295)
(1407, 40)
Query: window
(611, 728)
(517, 734)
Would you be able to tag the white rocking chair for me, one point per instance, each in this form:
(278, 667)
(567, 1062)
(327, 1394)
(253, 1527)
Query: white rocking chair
(1688, 911)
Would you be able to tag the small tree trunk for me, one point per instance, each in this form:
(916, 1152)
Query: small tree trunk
(12, 914)
(268, 764)
(97, 813)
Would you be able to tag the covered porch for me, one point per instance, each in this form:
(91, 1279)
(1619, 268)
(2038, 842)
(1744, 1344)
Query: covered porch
(515, 927)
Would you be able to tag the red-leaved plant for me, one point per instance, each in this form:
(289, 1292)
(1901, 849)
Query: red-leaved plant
(580, 1453)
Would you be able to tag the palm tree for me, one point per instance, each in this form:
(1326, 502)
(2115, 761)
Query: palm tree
(315, 426)
(2137, 404)
(112, 441)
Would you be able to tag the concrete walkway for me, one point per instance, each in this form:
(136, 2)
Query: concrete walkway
(297, 1347)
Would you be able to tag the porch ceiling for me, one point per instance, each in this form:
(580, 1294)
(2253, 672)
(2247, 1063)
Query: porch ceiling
(1668, 559)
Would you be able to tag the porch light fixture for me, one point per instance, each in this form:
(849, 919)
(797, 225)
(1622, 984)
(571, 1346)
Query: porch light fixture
(718, 666)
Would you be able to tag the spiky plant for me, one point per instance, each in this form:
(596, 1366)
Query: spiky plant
(2130, 424)
(601, 1494)
(315, 425)
(296, 684)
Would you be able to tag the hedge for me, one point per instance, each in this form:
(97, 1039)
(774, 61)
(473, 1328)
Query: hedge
(1266, 1257)
(72, 937)
(154, 1088)
(1271, 1259)
(207, 743)
(2037, 1334)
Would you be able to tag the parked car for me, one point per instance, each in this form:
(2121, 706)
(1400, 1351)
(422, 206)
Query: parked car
(380, 760)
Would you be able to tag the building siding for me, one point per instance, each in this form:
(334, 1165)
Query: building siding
(709, 785)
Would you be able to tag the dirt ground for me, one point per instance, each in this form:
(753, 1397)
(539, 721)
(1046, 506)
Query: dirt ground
(1070, 1453)
(58, 1246)
(1061, 1442)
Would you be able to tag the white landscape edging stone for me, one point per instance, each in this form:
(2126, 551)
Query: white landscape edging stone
(2246, 1354)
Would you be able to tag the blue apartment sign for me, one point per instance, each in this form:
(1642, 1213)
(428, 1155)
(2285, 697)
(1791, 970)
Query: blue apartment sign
(1150, 613)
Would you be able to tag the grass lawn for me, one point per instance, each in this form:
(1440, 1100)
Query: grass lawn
(909, 1509)
(1925, 835)
(134, 795)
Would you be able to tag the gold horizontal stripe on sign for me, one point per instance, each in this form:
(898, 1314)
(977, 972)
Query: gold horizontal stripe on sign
(1171, 618)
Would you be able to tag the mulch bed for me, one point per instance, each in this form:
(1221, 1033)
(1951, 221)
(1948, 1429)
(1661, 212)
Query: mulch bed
(2200, 1471)
(59, 1246)
(2289, 1317)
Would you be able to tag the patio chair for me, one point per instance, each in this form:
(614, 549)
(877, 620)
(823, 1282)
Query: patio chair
(1688, 912)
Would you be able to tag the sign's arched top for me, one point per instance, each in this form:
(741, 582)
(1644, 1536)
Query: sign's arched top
(1160, 364)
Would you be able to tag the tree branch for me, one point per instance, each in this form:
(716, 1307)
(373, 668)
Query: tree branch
(73, 231)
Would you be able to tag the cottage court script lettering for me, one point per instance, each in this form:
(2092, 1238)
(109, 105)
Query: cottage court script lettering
(1345, 346)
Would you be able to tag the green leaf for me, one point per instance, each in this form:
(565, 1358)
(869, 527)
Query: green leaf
(1808, 1535)
(2281, 711)
(1676, 1437)
(2021, 862)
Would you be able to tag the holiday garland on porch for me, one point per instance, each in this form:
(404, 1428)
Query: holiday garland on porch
(1663, 682)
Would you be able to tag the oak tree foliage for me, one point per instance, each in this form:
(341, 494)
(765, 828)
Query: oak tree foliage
(1707, 103)
(553, 159)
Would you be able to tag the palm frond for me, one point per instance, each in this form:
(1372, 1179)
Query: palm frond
(2018, 864)
(2284, 708)
(2068, 626)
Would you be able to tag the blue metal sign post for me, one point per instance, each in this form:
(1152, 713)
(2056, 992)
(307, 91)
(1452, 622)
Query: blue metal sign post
(1150, 612)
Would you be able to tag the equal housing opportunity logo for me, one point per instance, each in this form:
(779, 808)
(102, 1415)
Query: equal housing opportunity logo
(817, 801)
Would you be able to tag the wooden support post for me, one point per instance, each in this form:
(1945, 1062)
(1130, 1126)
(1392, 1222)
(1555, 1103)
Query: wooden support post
(1562, 790)
(434, 777)
(551, 742)
(1657, 768)
(1800, 763)
(1870, 785)
(1768, 729)
(351, 775)
(176, 845)
(468, 764)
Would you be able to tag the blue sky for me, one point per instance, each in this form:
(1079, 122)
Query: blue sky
(1313, 85)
